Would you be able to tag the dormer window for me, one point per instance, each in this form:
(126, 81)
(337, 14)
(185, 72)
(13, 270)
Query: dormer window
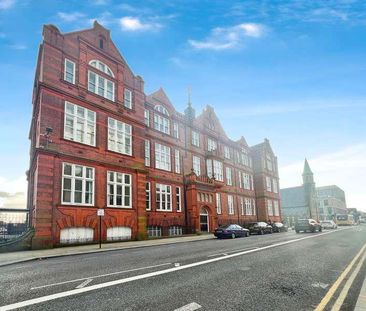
(101, 43)
(102, 67)
(161, 123)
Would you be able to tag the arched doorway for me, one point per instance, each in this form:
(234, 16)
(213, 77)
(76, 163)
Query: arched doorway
(204, 222)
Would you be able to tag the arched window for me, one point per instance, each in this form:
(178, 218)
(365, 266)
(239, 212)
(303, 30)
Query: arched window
(161, 109)
(102, 67)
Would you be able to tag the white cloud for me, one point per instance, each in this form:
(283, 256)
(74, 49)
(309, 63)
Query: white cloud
(345, 168)
(6, 4)
(13, 185)
(222, 38)
(129, 23)
(70, 17)
(17, 46)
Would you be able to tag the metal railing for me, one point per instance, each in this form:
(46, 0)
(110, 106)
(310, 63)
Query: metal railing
(13, 223)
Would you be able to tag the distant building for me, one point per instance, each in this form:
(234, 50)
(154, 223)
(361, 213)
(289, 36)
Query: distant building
(331, 201)
(301, 201)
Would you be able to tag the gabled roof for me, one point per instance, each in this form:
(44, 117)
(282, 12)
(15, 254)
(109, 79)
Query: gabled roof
(159, 97)
(265, 145)
(209, 119)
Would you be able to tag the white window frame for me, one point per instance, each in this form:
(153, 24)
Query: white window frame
(240, 179)
(147, 152)
(268, 184)
(209, 168)
(175, 130)
(162, 157)
(175, 231)
(163, 198)
(253, 207)
(178, 197)
(147, 117)
(269, 162)
(218, 170)
(276, 208)
(154, 231)
(98, 85)
(227, 152)
(275, 186)
(229, 179)
(66, 73)
(123, 186)
(161, 124)
(84, 180)
(177, 161)
(269, 207)
(87, 120)
(196, 165)
(218, 204)
(148, 196)
(122, 133)
(246, 181)
(102, 67)
(195, 138)
(242, 209)
(211, 144)
(248, 206)
(230, 204)
(127, 98)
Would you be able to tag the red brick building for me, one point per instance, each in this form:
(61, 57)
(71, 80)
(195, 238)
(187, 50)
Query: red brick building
(98, 142)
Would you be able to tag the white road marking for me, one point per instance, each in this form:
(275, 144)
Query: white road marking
(319, 284)
(86, 282)
(177, 264)
(189, 307)
(148, 275)
(100, 276)
(231, 251)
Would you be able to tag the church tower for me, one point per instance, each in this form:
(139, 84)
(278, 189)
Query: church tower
(310, 191)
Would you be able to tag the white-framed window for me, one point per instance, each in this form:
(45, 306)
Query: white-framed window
(69, 71)
(177, 161)
(100, 85)
(119, 193)
(102, 67)
(148, 196)
(127, 98)
(175, 230)
(269, 207)
(163, 198)
(248, 206)
(147, 152)
(162, 157)
(275, 186)
(252, 181)
(209, 168)
(161, 109)
(147, 117)
(195, 139)
(246, 181)
(242, 209)
(119, 137)
(77, 184)
(240, 179)
(218, 170)
(154, 231)
(196, 165)
(161, 124)
(229, 179)
(211, 145)
(230, 204)
(253, 207)
(79, 124)
(227, 152)
(178, 197)
(269, 162)
(276, 208)
(218, 203)
(268, 184)
(175, 130)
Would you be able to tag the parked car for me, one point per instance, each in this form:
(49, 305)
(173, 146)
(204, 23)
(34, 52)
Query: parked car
(328, 224)
(231, 231)
(259, 228)
(279, 227)
(305, 225)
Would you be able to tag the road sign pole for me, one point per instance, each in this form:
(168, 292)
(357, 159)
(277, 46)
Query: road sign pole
(100, 231)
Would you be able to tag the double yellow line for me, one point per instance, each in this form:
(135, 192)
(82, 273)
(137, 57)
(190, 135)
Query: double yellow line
(342, 296)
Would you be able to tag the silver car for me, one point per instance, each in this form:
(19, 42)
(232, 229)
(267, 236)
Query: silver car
(328, 224)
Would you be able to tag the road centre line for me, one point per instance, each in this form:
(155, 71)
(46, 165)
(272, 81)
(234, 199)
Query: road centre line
(73, 292)
(100, 276)
(189, 307)
(342, 296)
(86, 282)
(338, 282)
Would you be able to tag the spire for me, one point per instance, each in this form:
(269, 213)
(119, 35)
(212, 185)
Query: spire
(307, 175)
(189, 112)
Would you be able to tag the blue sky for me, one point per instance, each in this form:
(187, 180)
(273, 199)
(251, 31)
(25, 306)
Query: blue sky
(291, 71)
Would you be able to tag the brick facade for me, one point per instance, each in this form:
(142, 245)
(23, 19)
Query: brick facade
(79, 168)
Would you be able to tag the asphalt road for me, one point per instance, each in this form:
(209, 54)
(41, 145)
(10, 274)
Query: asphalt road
(282, 271)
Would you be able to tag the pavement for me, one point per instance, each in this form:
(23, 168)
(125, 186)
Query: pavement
(23, 256)
(269, 272)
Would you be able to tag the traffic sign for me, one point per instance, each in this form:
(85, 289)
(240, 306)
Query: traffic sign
(100, 212)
